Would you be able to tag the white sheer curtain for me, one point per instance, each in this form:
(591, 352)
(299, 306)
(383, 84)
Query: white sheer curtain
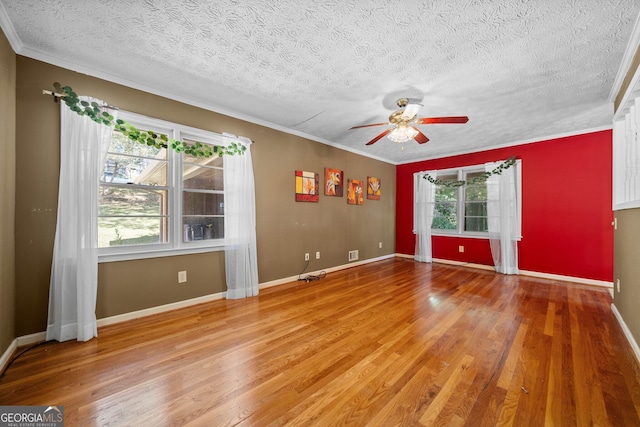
(74, 270)
(424, 203)
(241, 262)
(503, 220)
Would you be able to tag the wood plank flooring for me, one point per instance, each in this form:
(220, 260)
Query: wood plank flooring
(392, 343)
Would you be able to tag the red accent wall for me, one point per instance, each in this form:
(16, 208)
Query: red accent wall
(566, 207)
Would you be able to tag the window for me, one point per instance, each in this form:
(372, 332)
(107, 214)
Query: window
(445, 212)
(156, 202)
(475, 202)
(462, 210)
(202, 198)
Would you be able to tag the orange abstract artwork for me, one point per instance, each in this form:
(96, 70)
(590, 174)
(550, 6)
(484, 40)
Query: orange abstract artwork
(333, 182)
(307, 185)
(373, 188)
(355, 192)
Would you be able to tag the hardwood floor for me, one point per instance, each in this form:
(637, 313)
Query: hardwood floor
(384, 344)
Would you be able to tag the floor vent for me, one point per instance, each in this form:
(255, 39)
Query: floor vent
(353, 255)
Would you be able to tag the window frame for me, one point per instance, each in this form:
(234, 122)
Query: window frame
(462, 175)
(175, 244)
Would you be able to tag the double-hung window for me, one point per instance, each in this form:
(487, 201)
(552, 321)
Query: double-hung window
(156, 202)
(462, 209)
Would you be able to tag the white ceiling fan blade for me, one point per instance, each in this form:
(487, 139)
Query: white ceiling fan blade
(410, 111)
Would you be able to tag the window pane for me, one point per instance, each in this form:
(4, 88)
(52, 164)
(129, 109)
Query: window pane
(131, 202)
(445, 216)
(202, 161)
(119, 231)
(446, 193)
(441, 223)
(476, 209)
(202, 228)
(202, 178)
(476, 224)
(131, 216)
(476, 192)
(194, 203)
(473, 178)
(134, 170)
(123, 145)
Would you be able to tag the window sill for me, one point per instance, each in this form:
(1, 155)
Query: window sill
(462, 235)
(129, 256)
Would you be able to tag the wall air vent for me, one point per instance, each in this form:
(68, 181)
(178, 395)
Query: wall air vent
(353, 255)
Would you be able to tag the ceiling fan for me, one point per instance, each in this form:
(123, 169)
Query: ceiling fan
(406, 116)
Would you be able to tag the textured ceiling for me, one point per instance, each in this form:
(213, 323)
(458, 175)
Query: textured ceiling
(520, 69)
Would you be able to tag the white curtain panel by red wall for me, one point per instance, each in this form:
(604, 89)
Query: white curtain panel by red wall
(503, 218)
(424, 204)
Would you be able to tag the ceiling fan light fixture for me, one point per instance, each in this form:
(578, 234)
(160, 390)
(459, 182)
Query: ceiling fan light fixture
(402, 133)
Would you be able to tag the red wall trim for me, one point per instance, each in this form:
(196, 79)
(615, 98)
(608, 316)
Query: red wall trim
(566, 207)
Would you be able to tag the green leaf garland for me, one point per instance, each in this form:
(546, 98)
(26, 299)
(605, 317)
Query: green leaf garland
(147, 137)
(480, 179)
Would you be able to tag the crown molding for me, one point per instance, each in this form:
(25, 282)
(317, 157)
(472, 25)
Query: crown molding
(632, 47)
(9, 30)
(514, 144)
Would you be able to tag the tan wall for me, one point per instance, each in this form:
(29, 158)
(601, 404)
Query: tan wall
(7, 191)
(285, 229)
(627, 268)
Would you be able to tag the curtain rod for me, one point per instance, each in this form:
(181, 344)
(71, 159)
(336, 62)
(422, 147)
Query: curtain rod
(57, 96)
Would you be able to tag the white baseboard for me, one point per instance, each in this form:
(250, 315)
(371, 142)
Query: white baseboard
(8, 354)
(582, 280)
(452, 262)
(36, 338)
(328, 270)
(17, 343)
(159, 309)
(464, 264)
(537, 274)
(627, 332)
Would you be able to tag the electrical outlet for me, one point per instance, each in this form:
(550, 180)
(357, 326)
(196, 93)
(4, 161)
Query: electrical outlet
(460, 248)
(618, 285)
(182, 276)
(318, 255)
(306, 257)
(380, 245)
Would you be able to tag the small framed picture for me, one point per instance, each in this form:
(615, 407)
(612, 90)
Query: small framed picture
(355, 192)
(373, 188)
(307, 188)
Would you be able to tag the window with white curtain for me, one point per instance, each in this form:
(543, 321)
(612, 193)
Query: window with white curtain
(462, 210)
(157, 202)
(445, 211)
